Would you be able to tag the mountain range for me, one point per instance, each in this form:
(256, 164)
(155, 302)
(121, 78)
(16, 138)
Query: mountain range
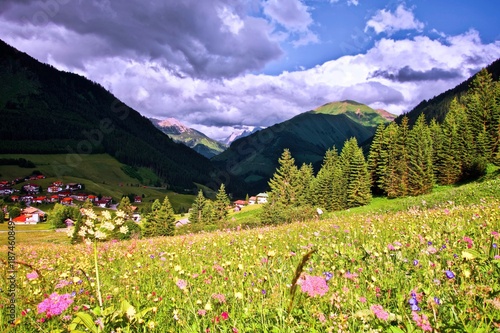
(253, 159)
(192, 138)
(47, 111)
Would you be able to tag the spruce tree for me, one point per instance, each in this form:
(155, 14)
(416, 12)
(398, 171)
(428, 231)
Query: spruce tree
(420, 169)
(375, 159)
(355, 173)
(305, 180)
(389, 159)
(284, 186)
(221, 204)
(195, 215)
(322, 187)
(161, 220)
(125, 206)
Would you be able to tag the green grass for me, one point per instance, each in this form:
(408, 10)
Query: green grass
(437, 250)
(100, 173)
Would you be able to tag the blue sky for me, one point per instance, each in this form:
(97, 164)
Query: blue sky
(221, 65)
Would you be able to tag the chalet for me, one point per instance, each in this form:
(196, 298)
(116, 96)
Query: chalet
(240, 203)
(237, 208)
(67, 201)
(262, 198)
(40, 177)
(63, 194)
(6, 191)
(252, 200)
(31, 188)
(4, 183)
(92, 197)
(54, 189)
(32, 215)
(74, 186)
(40, 199)
(136, 217)
(58, 184)
(26, 198)
(105, 202)
(54, 198)
(14, 198)
(137, 198)
(81, 197)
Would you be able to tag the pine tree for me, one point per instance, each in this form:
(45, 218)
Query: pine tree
(322, 187)
(195, 215)
(420, 171)
(207, 213)
(305, 180)
(355, 173)
(403, 161)
(161, 220)
(284, 182)
(221, 204)
(284, 191)
(437, 138)
(375, 159)
(389, 159)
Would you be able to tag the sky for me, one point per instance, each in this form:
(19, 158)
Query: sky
(221, 65)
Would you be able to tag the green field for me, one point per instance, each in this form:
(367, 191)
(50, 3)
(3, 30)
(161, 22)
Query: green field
(100, 173)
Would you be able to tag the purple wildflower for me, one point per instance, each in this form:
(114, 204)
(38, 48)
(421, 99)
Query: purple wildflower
(55, 304)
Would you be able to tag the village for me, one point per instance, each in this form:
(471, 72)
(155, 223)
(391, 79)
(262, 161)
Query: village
(31, 195)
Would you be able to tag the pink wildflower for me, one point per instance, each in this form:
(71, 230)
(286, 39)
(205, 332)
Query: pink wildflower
(202, 312)
(32, 276)
(313, 285)
(182, 284)
(422, 321)
(224, 315)
(391, 247)
(379, 312)
(362, 299)
(219, 297)
(62, 284)
(55, 304)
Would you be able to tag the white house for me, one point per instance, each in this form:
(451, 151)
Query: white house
(262, 198)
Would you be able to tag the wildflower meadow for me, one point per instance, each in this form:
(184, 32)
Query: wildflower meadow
(425, 268)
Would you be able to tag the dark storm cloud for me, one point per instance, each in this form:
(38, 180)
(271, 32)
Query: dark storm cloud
(209, 38)
(407, 74)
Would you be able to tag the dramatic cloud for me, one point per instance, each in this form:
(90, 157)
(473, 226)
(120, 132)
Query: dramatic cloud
(199, 61)
(401, 19)
(196, 38)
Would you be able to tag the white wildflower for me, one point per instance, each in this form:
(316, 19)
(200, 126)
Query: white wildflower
(70, 231)
(120, 213)
(106, 214)
(108, 225)
(119, 221)
(124, 229)
(100, 235)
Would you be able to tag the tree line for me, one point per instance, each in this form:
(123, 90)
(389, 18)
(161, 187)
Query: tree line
(402, 161)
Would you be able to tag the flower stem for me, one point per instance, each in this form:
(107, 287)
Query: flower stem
(99, 297)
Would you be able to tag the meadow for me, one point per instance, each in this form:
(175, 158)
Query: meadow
(427, 263)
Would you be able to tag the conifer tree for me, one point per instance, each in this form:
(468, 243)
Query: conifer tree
(420, 171)
(195, 215)
(389, 159)
(161, 220)
(305, 178)
(322, 187)
(437, 138)
(207, 212)
(284, 191)
(375, 159)
(403, 161)
(355, 173)
(221, 204)
(284, 187)
(125, 206)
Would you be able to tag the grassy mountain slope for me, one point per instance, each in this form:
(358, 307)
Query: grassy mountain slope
(437, 107)
(46, 111)
(192, 138)
(308, 135)
(100, 173)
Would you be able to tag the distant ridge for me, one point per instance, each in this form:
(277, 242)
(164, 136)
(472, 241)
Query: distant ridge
(192, 138)
(253, 159)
